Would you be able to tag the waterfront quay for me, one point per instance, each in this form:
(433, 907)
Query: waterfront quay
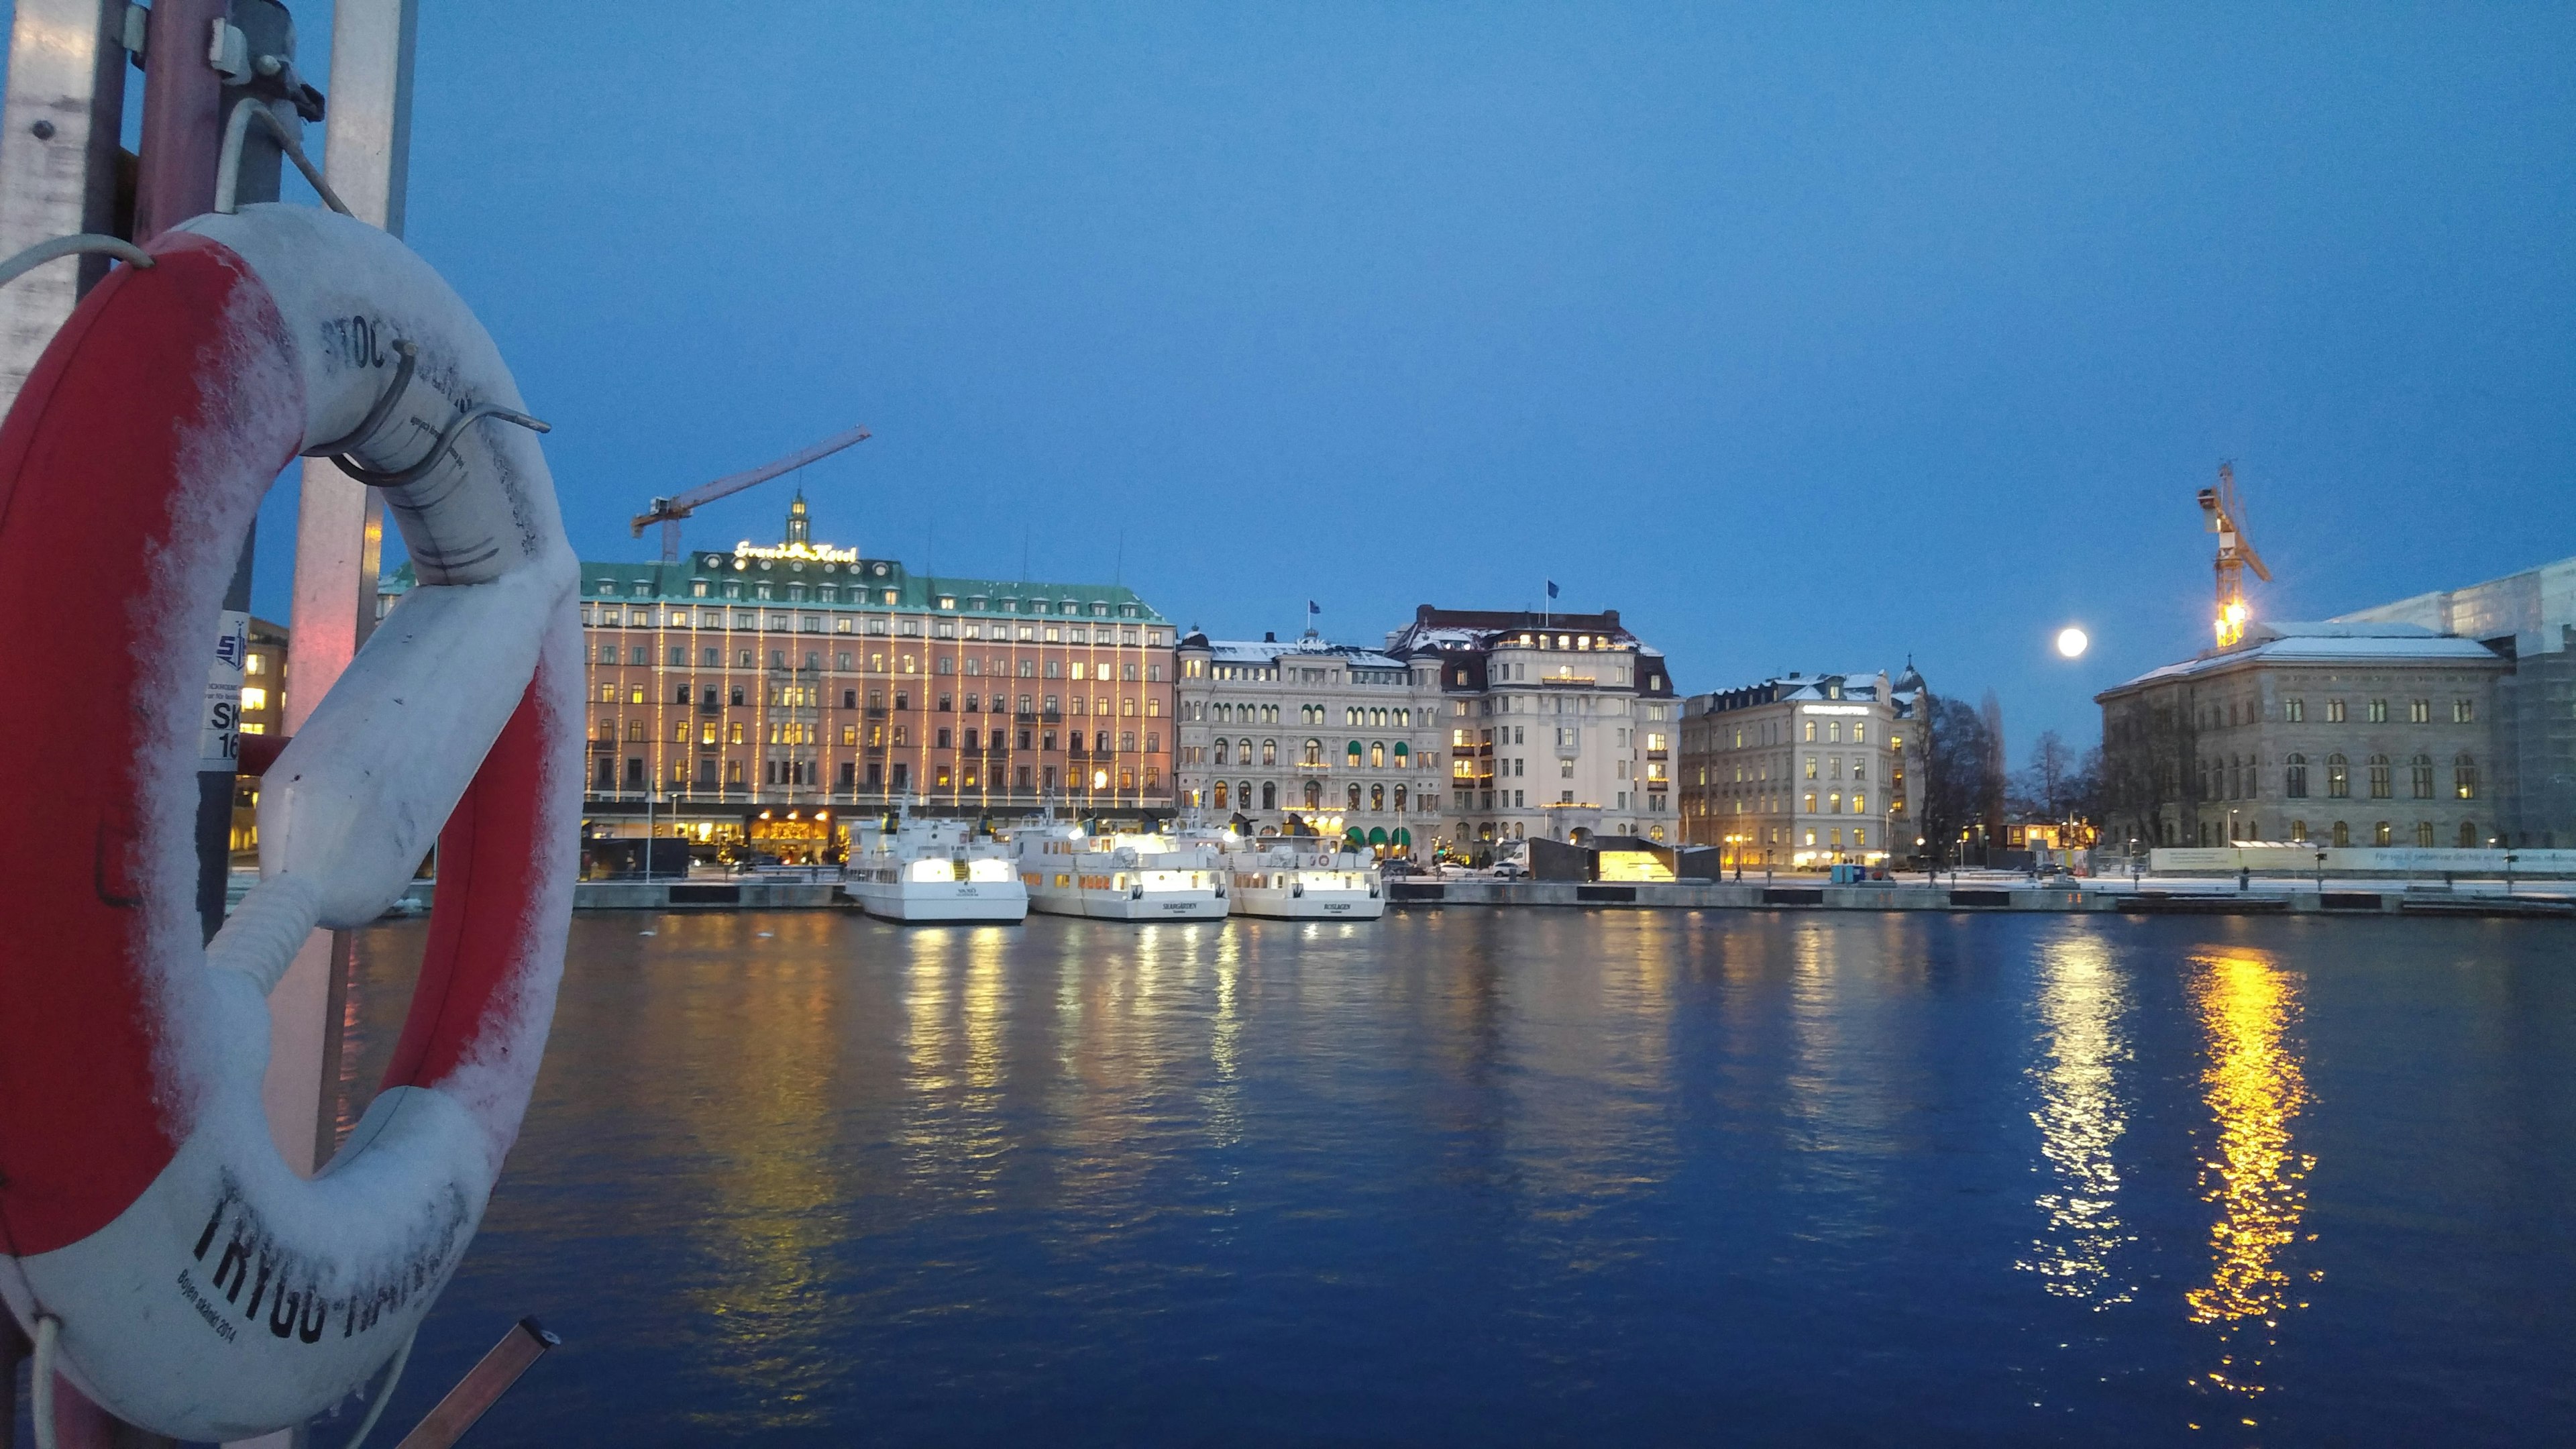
(1474, 1175)
(1972, 891)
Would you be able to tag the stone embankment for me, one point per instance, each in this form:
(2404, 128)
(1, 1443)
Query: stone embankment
(2170, 898)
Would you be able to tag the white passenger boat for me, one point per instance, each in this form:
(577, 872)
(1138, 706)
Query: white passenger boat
(1120, 875)
(931, 871)
(1304, 878)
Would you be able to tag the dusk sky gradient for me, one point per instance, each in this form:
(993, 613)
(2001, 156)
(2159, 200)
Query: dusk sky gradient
(1806, 337)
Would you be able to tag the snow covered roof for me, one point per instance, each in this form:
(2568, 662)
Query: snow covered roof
(1266, 651)
(2323, 643)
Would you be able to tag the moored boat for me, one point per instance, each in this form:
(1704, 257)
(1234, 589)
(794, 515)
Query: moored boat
(1304, 879)
(1071, 870)
(930, 872)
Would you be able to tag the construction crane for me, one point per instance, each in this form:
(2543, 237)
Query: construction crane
(2226, 517)
(669, 511)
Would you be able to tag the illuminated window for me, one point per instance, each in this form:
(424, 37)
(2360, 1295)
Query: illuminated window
(2464, 777)
(2338, 777)
(255, 664)
(254, 697)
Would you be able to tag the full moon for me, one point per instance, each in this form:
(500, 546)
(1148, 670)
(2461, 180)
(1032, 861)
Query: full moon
(2071, 641)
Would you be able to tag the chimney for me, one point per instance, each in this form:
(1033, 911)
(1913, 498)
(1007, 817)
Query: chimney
(1269, 636)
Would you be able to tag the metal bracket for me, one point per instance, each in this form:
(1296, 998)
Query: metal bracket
(228, 51)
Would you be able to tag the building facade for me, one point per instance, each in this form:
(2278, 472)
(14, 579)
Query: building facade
(1559, 726)
(1330, 737)
(2529, 619)
(263, 712)
(1804, 772)
(748, 696)
(2342, 734)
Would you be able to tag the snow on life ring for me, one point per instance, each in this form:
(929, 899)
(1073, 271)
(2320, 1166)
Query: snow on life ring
(201, 1288)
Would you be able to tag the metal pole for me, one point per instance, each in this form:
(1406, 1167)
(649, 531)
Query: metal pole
(339, 530)
(58, 161)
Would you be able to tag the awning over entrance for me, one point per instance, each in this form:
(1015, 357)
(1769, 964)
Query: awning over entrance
(1377, 835)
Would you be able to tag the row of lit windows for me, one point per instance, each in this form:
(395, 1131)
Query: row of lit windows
(808, 697)
(676, 616)
(636, 729)
(714, 774)
(709, 657)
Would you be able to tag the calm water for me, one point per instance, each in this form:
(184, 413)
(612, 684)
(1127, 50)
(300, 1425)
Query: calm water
(1537, 1176)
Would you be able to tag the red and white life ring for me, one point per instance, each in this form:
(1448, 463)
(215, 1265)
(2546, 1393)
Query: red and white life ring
(200, 1287)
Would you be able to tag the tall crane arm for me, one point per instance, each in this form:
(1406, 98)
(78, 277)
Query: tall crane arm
(679, 506)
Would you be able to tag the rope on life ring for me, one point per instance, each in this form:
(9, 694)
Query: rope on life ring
(185, 1278)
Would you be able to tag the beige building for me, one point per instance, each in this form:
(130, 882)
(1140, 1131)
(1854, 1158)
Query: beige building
(1332, 737)
(1559, 726)
(1804, 772)
(2344, 734)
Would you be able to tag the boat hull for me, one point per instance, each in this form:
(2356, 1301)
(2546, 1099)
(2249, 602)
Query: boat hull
(941, 902)
(1314, 905)
(1121, 906)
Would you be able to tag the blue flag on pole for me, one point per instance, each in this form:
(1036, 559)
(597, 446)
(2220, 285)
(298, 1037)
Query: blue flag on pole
(1551, 588)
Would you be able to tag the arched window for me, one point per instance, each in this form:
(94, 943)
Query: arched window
(1403, 753)
(1377, 797)
(2423, 832)
(2464, 777)
(1243, 752)
(2342, 835)
(1314, 791)
(1377, 754)
(2338, 779)
(1355, 796)
(1270, 752)
(1243, 795)
(1269, 794)
(2420, 772)
(2381, 835)
(1314, 756)
(1220, 755)
(2468, 835)
(2299, 831)
(1220, 785)
(2294, 778)
(1352, 752)
(1399, 799)
(2379, 781)
(2235, 777)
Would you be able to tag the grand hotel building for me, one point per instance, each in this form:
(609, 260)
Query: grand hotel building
(753, 695)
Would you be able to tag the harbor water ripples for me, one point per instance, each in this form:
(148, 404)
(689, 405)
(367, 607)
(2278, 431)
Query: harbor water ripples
(1531, 1177)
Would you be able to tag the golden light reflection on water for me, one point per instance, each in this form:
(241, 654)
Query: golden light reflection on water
(2255, 1087)
(2081, 1117)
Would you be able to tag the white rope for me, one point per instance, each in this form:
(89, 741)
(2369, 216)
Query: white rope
(67, 246)
(260, 938)
(384, 1395)
(49, 1330)
(228, 160)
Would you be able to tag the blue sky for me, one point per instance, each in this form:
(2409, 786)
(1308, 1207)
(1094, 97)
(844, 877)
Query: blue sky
(1806, 337)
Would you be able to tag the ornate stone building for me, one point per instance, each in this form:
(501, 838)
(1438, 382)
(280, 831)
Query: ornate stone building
(2344, 734)
(1332, 737)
